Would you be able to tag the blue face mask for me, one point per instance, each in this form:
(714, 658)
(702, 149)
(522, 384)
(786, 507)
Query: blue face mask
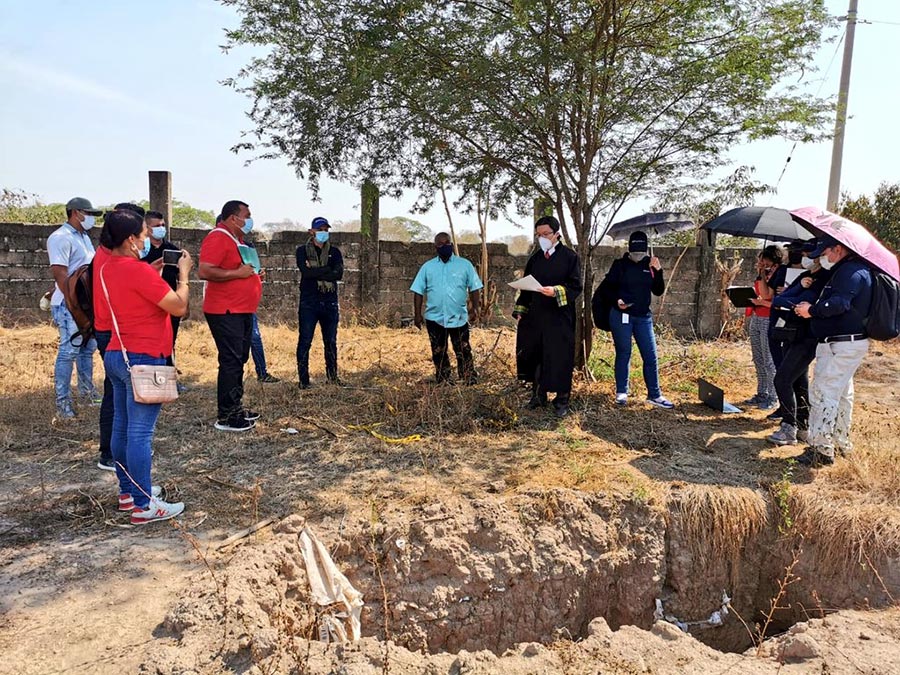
(88, 222)
(248, 226)
(159, 232)
(322, 236)
(445, 251)
(144, 251)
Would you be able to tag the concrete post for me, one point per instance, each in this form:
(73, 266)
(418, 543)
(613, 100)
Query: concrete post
(161, 194)
(369, 249)
(706, 294)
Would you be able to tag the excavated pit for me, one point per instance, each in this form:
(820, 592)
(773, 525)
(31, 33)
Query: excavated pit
(494, 573)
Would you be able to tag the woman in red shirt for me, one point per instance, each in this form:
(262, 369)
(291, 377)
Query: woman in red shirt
(140, 303)
(767, 263)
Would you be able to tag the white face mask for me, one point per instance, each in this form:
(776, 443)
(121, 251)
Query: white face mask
(826, 263)
(88, 222)
(545, 243)
(637, 256)
(807, 263)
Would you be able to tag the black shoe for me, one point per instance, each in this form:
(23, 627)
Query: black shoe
(336, 381)
(561, 409)
(268, 379)
(249, 415)
(537, 402)
(234, 424)
(106, 464)
(813, 458)
(775, 416)
(304, 385)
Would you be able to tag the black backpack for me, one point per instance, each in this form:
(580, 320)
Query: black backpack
(883, 321)
(78, 292)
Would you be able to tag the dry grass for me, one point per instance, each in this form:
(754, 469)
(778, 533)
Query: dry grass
(393, 438)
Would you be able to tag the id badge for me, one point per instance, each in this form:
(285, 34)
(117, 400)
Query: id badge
(625, 317)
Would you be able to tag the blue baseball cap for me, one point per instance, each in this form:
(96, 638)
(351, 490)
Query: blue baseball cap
(821, 245)
(319, 223)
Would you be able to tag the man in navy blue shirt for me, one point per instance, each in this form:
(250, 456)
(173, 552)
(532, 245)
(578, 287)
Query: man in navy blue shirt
(321, 267)
(838, 322)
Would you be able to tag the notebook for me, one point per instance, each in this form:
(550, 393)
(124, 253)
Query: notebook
(741, 296)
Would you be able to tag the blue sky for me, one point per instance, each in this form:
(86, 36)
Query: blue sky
(97, 93)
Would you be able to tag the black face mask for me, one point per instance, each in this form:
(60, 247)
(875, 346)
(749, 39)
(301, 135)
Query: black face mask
(445, 251)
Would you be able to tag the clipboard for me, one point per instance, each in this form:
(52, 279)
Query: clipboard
(741, 296)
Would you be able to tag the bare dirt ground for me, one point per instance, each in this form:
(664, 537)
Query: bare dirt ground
(81, 591)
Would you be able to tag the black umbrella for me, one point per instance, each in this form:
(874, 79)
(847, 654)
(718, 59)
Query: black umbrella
(760, 222)
(661, 222)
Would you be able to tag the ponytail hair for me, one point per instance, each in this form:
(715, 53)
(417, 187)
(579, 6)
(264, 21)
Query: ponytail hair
(118, 226)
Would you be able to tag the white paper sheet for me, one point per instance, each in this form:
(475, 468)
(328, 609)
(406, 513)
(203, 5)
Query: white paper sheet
(528, 283)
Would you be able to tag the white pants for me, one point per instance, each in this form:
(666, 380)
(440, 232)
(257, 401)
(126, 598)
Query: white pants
(831, 395)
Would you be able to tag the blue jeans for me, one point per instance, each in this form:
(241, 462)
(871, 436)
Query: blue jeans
(133, 426)
(68, 356)
(257, 351)
(641, 327)
(326, 314)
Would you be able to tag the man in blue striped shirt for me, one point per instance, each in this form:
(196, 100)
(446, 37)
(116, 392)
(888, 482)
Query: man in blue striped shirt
(446, 282)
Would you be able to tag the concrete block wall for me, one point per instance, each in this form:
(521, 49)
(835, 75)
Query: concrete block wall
(25, 276)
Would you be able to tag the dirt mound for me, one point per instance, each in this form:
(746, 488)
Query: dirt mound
(526, 584)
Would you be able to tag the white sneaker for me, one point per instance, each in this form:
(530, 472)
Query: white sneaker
(661, 402)
(126, 501)
(157, 510)
(621, 399)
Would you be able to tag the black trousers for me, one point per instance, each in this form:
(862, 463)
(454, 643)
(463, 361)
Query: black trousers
(106, 407)
(231, 333)
(792, 381)
(327, 315)
(465, 365)
(176, 322)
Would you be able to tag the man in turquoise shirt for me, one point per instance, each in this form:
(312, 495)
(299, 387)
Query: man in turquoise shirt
(446, 282)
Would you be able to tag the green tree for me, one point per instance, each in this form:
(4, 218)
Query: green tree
(187, 216)
(518, 244)
(398, 228)
(18, 206)
(704, 202)
(585, 104)
(879, 213)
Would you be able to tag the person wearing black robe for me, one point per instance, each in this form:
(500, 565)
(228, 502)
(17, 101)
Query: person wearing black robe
(545, 337)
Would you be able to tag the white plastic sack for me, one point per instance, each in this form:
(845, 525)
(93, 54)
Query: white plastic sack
(328, 586)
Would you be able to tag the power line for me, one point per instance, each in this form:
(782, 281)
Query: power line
(818, 91)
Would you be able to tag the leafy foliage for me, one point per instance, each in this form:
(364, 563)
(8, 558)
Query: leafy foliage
(398, 228)
(18, 206)
(880, 213)
(586, 104)
(187, 216)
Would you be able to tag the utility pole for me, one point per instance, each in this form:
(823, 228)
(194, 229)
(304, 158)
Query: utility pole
(837, 148)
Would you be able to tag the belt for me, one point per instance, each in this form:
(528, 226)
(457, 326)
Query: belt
(856, 337)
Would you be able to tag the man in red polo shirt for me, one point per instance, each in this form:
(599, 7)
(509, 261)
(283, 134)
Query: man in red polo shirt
(233, 291)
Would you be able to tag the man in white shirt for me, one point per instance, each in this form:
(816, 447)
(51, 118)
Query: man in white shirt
(68, 248)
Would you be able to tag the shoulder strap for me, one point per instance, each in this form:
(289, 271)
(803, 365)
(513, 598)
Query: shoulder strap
(113, 315)
(227, 234)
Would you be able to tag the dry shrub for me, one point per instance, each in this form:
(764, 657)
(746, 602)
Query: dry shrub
(846, 530)
(717, 521)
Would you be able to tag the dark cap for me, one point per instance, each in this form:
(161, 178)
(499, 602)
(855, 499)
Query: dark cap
(637, 242)
(826, 242)
(82, 204)
(319, 223)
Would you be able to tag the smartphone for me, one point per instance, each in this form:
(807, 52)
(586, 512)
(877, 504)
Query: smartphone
(171, 257)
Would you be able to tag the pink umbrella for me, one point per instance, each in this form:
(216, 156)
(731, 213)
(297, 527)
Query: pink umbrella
(852, 235)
